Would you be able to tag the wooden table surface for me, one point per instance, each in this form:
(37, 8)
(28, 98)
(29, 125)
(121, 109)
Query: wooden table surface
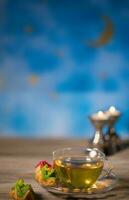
(18, 158)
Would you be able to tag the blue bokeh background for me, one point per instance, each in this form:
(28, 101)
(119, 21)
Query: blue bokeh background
(51, 79)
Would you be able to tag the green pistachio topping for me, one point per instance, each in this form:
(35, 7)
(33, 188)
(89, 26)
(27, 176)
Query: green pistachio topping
(21, 188)
(47, 172)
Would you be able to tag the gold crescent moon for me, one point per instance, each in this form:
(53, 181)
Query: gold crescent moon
(106, 34)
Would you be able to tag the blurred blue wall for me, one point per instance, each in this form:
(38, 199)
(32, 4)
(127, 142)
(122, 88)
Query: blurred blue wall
(60, 61)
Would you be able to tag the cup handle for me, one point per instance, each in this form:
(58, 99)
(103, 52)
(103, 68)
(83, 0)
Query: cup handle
(107, 169)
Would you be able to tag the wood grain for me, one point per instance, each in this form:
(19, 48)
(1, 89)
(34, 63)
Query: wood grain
(18, 158)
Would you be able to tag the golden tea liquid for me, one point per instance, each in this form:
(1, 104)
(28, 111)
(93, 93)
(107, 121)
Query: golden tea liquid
(76, 172)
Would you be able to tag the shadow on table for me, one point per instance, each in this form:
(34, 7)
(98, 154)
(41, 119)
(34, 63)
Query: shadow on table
(38, 196)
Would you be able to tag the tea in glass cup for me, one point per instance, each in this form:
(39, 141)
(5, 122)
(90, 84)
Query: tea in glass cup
(78, 167)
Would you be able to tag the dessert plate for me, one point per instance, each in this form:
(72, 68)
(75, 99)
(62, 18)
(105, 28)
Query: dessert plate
(102, 185)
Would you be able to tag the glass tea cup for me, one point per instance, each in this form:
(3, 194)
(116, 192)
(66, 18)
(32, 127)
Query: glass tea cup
(78, 167)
